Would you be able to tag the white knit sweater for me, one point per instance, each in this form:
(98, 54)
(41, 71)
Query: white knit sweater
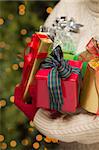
(82, 128)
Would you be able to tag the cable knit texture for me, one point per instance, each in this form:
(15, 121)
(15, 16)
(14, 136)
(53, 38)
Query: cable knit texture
(83, 128)
(79, 132)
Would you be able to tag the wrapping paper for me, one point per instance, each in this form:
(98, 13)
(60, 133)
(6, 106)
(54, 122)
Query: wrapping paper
(39, 47)
(70, 56)
(71, 99)
(93, 46)
(92, 51)
(89, 98)
(28, 109)
(76, 57)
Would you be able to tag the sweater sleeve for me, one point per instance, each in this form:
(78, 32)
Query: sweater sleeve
(83, 128)
(59, 9)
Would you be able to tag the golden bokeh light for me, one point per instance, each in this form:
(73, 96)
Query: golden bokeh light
(25, 142)
(36, 145)
(47, 140)
(39, 137)
(23, 31)
(54, 140)
(1, 138)
(21, 12)
(12, 99)
(13, 143)
(49, 10)
(21, 7)
(2, 103)
(3, 146)
(15, 66)
(28, 39)
(1, 21)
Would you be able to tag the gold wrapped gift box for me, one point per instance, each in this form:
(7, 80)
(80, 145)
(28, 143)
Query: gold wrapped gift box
(89, 98)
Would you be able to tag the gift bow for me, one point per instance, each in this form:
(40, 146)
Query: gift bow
(60, 68)
(93, 47)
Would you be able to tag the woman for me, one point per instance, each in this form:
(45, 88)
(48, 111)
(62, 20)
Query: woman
(79, 132)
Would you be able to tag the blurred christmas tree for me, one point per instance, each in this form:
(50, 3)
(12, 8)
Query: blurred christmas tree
(18, 21)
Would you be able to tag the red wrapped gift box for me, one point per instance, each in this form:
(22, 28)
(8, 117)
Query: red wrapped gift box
(28, 109)
(70, 89)
(39, 46)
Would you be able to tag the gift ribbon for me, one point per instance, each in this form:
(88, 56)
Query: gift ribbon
(60, 68)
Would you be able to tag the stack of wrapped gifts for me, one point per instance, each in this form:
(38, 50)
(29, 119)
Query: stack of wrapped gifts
(54, 77)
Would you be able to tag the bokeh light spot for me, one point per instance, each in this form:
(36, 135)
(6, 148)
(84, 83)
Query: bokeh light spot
(21, 7)
(39, 137)
(21, 12)
(28, 39)
(15, 67)
(3, 146)
(47, 140)
(13, 143)
(49, 10)
(12, 99)
(23, 31)
(2, 103)
(36, 145)
(1, 138)
(1, 21)
(54, 140)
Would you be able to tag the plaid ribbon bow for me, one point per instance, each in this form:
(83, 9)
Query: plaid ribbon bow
(60, 69)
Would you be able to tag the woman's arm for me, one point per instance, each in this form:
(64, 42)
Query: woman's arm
(83, 128)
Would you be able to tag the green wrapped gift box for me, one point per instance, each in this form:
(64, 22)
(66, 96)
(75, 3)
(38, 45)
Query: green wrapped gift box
(70, 56)
(76, 57)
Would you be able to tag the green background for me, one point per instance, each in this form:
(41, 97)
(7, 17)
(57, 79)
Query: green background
(15, 31)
